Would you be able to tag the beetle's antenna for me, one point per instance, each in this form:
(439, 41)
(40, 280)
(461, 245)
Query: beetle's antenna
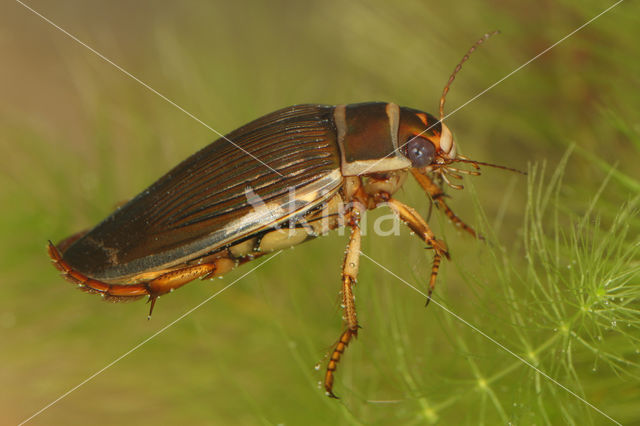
(459, 67)
(480, 163)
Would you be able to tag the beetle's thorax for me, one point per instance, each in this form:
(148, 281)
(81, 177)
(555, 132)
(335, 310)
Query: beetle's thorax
(368, 138)
(373, 137)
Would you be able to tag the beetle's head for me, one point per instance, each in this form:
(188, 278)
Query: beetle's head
(424, 139)
(428, 142)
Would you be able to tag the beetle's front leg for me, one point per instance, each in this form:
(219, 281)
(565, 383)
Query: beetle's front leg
(437, 195)
(418, 225)
(349, 276)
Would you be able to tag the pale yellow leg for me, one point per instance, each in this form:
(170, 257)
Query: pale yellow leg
(349, 276)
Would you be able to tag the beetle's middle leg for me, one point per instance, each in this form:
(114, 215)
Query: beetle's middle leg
(418, 225)
(349, 276)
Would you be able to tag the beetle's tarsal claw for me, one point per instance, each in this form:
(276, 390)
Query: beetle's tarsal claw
(428, 300)
(336, 354)
(330, 394)
(429, 294)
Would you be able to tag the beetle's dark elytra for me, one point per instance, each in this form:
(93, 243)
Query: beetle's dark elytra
(278, 181)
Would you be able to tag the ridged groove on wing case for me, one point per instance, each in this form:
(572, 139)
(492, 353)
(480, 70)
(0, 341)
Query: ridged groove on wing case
(206, 192)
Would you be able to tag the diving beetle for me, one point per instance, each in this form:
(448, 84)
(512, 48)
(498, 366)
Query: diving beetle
(312, 168)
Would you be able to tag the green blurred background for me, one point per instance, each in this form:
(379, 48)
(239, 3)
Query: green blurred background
(77, 136)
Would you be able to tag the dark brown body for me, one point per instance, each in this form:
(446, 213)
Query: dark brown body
(276, 182)
(282, 179)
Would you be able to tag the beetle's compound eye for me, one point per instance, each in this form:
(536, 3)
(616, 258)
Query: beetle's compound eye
(420, 151)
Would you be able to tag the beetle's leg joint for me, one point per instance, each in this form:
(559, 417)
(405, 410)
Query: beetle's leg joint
(382, 197)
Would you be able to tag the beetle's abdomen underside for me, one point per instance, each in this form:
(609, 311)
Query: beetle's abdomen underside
(193, 207)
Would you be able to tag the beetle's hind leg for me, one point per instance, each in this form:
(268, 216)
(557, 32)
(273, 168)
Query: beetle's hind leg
(437, 195)
(113, 292)
(172, 280)
(162, 284)
(349, 276)
(418, 225)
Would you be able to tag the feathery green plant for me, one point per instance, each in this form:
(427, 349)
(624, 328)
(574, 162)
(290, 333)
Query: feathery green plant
(567, 303)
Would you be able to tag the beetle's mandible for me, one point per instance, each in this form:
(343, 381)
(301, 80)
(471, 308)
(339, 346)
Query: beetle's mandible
(221, 207)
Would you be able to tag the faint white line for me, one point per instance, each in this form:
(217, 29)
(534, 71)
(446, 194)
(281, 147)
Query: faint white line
(147, 86)
(509, 351)
(502, 79)
(146, 340)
